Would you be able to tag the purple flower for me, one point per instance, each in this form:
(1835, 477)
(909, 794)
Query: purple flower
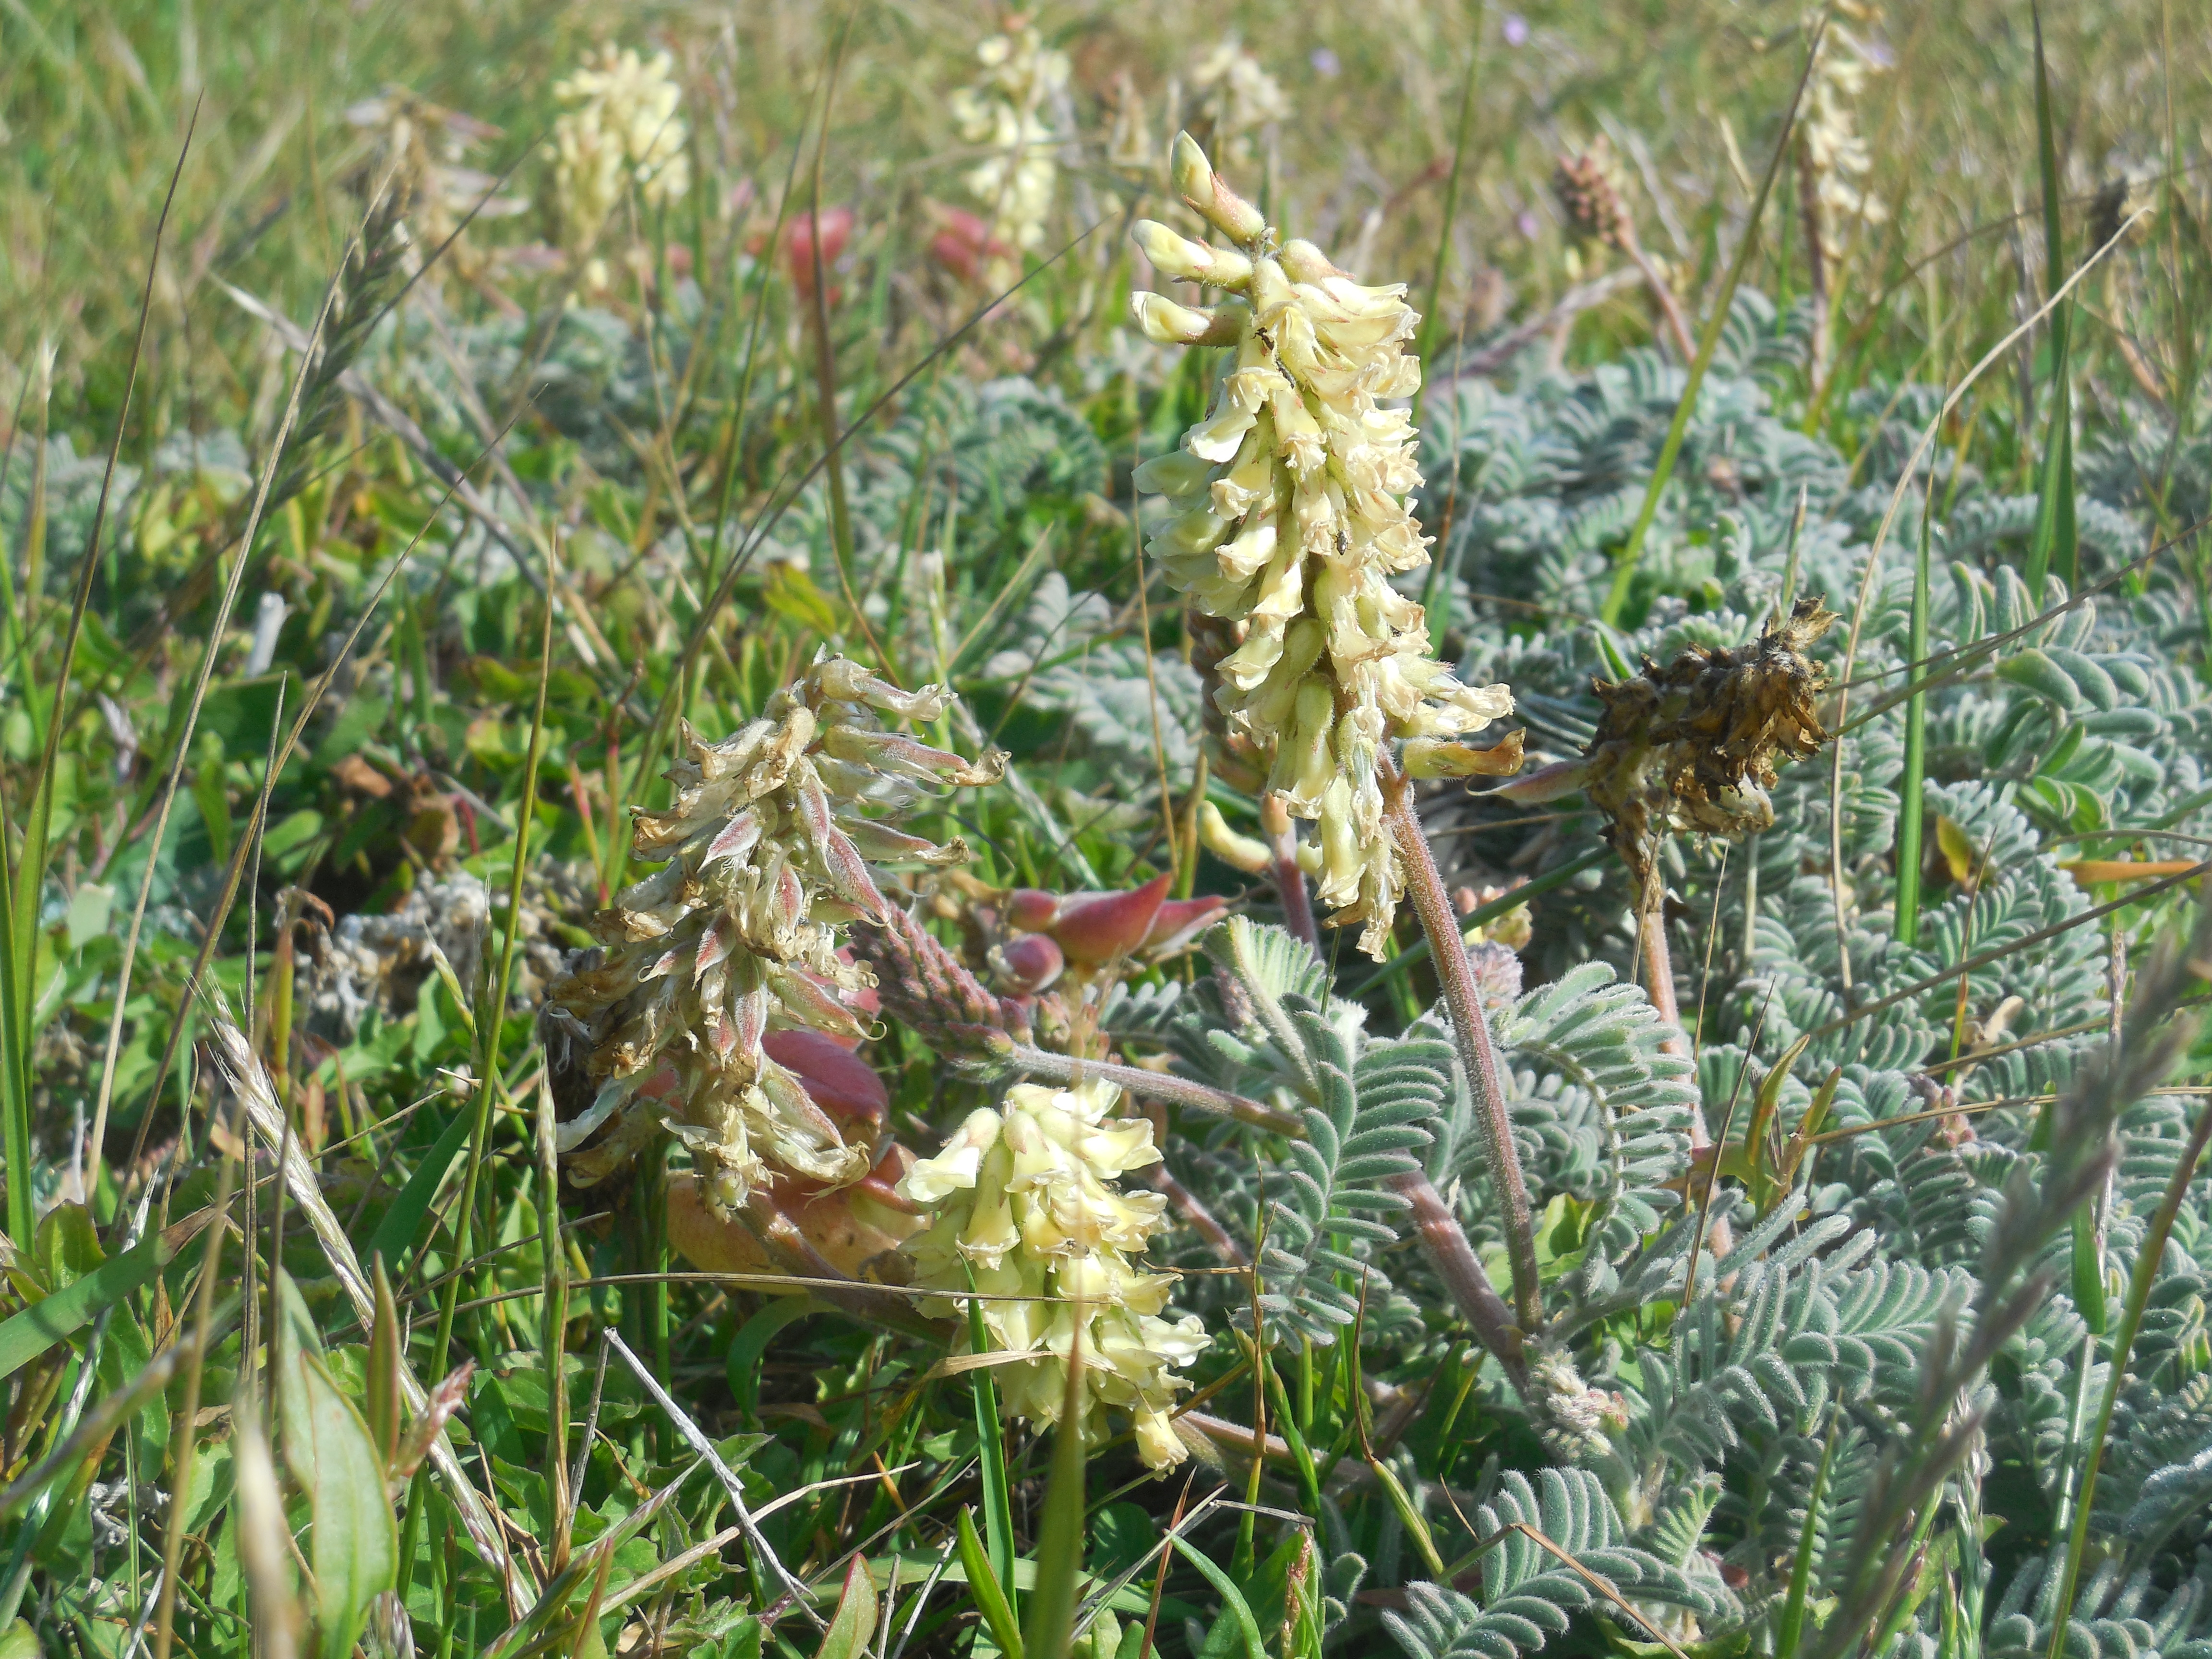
(1324, 61)
(1516, 29)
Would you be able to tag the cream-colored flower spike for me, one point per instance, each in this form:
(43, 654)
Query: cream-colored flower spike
(1292, 520)
(769, 847)
(1025, 1207)
(1835, 153)
(623, 121)
(1007, 113)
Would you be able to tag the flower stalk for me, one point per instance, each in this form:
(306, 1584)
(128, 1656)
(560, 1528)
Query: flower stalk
(1470, 1027)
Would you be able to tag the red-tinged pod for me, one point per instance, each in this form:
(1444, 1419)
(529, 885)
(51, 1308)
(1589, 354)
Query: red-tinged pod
(736, 838)
(795, 1106)
(841, 1081)
(848, 875)
(1098, 928)
(749, 1018)
(716, 944)
(1180, 921)
(816, 1000)
(1031, 909)
(1028, 964)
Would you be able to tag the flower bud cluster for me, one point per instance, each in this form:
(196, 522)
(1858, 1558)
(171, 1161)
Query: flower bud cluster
(623, 124)
(1237, 98)
(1291, 520)
(1574, 1419)
(1004, 112)
(1026, 1211)
(768, 848)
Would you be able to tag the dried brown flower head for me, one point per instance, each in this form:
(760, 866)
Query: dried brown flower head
(1590, 199)
(770, 848)
(1692, 746)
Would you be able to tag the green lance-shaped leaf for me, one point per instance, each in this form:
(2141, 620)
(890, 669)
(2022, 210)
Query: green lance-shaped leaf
(332, 1458)
(854, 1625)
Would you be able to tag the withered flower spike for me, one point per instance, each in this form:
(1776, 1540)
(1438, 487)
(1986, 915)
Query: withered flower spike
(1693, 746)
(737, 934)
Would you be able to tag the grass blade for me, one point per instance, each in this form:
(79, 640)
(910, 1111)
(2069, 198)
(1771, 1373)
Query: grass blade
(983, 1583)
(1624, 571)
(1059, 1539)
(1791, 1630)
(1911, 791)
(2123, 1340)
(1435, 598)
(22, 883)
(1239, 1609)
(29, 1334)
(2055, 544)
(990, 1450)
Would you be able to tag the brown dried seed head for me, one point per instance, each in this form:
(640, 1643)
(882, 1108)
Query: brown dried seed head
(1588, 198)
(1693, 745)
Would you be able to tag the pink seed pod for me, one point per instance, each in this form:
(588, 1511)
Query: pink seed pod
(1180, 921)
(1028, 964)
(838, 1081)
(1094, 927)
(1031, 909)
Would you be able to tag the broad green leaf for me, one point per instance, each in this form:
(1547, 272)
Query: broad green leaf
(853, 1624)
(333, 1459)
(68, 1246)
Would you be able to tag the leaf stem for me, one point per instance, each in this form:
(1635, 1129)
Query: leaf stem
(1153, 1085)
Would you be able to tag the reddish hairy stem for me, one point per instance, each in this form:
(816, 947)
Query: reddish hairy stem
(1192, 1209)
(1444, 1242)
(1470, 1025)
